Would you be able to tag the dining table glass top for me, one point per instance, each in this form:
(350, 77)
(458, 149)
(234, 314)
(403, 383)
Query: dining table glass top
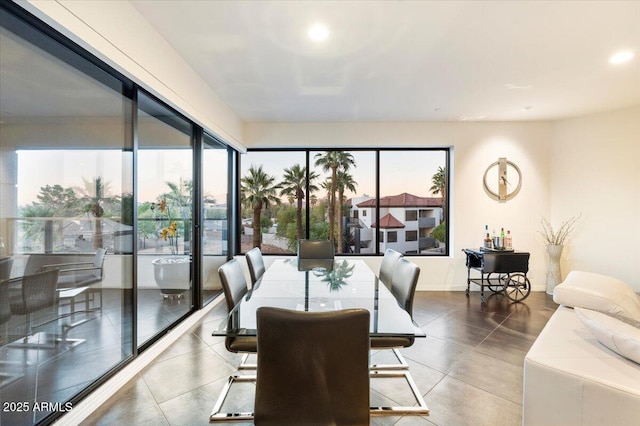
(347, 284)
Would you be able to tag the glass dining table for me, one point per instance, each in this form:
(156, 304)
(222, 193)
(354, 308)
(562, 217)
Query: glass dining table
(319, 287)
(345, 284)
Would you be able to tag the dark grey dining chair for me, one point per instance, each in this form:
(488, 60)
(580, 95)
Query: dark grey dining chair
(312, 367)
(403, 287)
(315, 254)
(5, 307)
(404, 282)
(255, 262)
(75, 275)
(6, 378)
(388, 265)
(315, 249)
(30, 294)
(234, 286)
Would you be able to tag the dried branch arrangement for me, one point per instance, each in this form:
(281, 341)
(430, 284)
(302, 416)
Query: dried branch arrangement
(558, 238)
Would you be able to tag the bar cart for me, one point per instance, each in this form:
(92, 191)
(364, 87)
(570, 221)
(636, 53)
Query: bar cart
(501, 271)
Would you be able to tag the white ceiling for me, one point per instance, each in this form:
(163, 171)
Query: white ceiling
(408, 61)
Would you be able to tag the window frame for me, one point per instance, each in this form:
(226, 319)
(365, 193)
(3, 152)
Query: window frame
(377, 230)
(32, 29)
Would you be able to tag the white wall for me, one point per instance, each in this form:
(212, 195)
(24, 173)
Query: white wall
(595, 171)
(475, 146)
(105, 29)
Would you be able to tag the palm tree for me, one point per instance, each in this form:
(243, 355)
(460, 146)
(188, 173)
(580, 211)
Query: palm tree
(179, 201)
(344, 181)
(258, 192)
(293, 185)
(34, 230)
(332, 161)
(95, 193)
(180, 194)
(439, 186)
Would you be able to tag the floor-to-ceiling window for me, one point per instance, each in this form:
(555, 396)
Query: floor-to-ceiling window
(97, 217)
(215, 214)
(165, 205)
(66, 182)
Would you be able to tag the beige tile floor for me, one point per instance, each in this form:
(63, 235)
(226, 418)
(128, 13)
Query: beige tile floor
(468, 368)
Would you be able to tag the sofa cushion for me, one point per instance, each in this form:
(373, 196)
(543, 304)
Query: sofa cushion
(599, 293)
(618, 336)
(571, 379)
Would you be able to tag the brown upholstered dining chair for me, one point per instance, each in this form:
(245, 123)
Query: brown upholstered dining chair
(312, 367)
(255, 262)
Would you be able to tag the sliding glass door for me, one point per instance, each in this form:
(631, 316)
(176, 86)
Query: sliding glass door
(164, 204)
(215, 214)
(66, 185)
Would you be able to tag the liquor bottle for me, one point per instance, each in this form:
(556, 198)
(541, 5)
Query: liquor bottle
(508, 242)
(484, 234)
(488, 244)
(502, 238)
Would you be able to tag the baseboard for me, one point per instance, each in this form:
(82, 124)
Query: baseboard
(98, 397)
(474, 288)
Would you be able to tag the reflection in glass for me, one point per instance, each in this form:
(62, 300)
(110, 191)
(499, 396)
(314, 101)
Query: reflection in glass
(215, 225)
(335, 277)
(165, 204)
(65, 223)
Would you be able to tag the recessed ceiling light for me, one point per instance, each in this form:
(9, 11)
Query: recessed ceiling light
(472, 117)
(621, 57)
(510, 86)
(318, 32)
(527, 107)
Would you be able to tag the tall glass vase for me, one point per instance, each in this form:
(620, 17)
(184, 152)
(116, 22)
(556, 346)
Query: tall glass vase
(553, 274)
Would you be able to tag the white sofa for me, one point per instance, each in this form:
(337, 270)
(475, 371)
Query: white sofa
(570, 378)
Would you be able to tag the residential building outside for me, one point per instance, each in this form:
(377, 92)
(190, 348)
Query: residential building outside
(406, 223)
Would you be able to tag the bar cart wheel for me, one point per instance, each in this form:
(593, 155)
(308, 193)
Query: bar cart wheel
(497, 282)
(518, 287)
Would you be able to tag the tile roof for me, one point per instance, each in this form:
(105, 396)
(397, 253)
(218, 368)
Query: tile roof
(388, 221)
(404, 200)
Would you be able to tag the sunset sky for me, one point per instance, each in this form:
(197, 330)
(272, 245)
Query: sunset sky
(401, 171)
